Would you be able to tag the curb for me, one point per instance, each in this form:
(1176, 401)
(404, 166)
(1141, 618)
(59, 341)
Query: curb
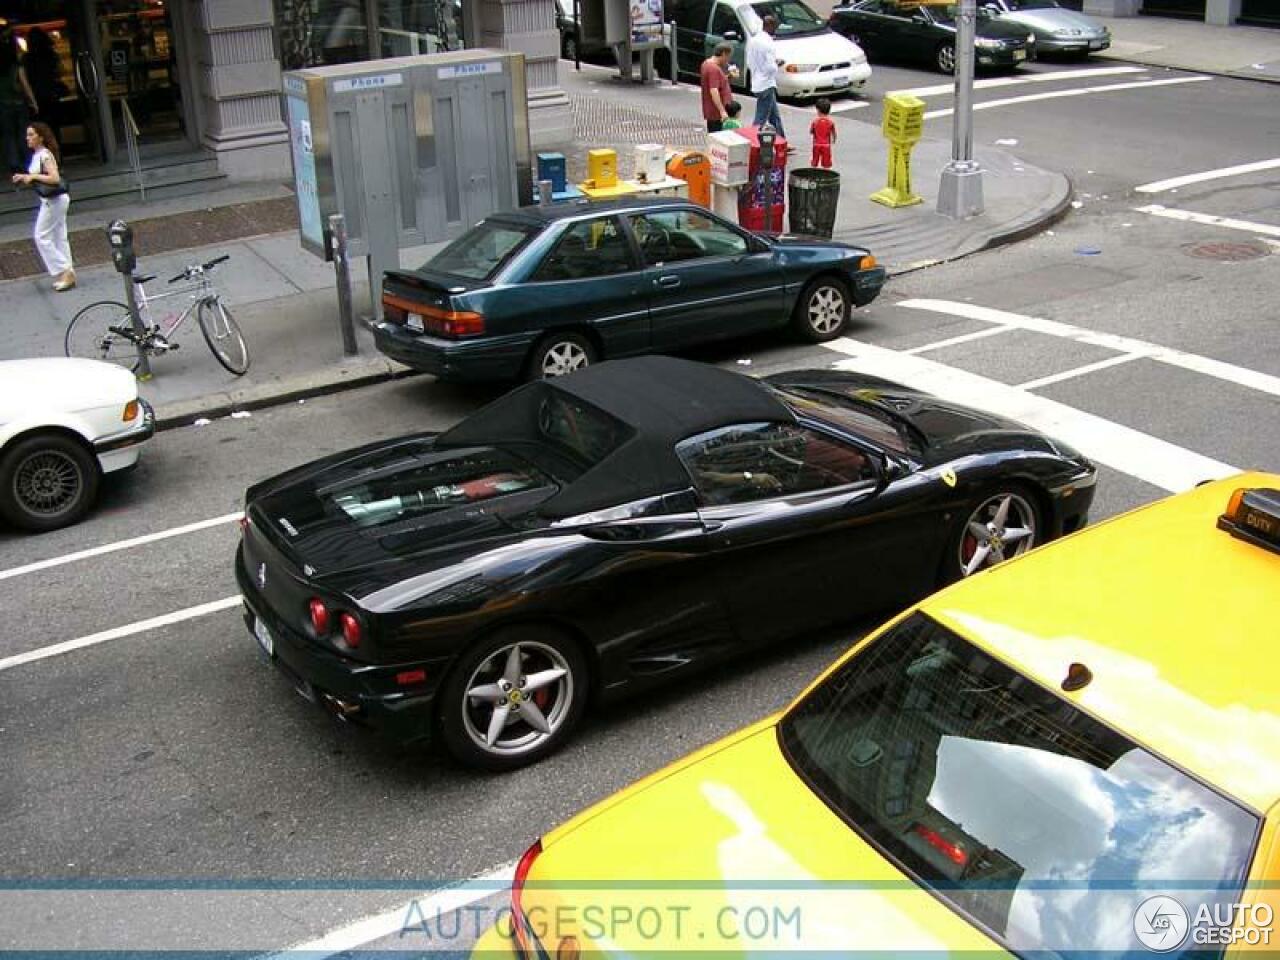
(1229, 73)
(1040, 224)
(183, 413)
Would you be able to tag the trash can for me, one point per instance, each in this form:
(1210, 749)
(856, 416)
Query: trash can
(812, 194)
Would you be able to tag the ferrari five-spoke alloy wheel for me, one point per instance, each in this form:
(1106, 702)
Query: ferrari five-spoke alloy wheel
(47, 482)
(560, 354)
(514, 699)
(946, 58)
(1003, 526)
(823, 309)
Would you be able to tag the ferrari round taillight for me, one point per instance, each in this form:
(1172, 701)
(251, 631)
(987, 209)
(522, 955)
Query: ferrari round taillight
(352, 633)
(319, 616)
(520, 922)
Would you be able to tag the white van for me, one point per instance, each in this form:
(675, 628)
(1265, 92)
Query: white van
(817, 61)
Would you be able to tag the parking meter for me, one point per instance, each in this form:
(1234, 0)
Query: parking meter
(768, 136)
(120, 236)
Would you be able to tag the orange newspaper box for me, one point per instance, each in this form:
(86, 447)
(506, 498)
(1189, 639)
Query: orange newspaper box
(693, 167)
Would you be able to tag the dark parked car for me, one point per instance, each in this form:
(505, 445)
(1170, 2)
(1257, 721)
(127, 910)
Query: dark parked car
(544, 291)
(887, 29)
(589, 537)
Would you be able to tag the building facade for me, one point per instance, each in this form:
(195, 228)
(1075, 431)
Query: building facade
(180, 79)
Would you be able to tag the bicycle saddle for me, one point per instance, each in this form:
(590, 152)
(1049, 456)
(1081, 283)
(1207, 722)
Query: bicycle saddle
(141, 279)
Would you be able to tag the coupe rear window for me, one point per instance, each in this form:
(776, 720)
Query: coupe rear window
(482, 251)
(586, 433)
(1032, 819)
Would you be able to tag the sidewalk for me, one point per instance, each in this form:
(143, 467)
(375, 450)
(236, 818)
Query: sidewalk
(1250, 53)
(284, 297)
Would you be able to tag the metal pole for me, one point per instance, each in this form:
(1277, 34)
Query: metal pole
(139, 329)
(342, 268)
(960, 193)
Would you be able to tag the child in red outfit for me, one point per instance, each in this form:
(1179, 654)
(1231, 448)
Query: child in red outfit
(823, 131)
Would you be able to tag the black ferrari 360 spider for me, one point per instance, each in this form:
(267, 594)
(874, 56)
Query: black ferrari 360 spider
(589, 536)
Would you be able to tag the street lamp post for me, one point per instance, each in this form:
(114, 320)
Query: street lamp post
(960, 193)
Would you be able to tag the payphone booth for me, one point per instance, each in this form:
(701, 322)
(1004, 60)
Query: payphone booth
(410, 150)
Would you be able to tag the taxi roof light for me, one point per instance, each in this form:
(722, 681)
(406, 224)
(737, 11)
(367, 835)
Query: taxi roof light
(1253, 515)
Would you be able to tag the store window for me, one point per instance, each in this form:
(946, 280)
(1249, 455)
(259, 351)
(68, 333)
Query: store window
(320, 32)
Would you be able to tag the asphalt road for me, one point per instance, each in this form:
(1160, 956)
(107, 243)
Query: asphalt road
(175, 754)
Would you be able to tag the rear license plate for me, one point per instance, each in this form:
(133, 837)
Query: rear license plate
(414, 322)
(265, 640)
(1019, 55)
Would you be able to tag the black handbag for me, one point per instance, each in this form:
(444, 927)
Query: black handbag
(50, 190)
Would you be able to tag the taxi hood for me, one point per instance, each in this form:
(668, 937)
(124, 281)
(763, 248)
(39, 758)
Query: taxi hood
(728, 837)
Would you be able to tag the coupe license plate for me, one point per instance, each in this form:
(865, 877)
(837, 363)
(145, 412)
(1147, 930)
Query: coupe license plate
(414, 322)
(265, 640)
(1019, 55)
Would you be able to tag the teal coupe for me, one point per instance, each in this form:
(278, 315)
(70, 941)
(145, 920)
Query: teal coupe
(543, 291)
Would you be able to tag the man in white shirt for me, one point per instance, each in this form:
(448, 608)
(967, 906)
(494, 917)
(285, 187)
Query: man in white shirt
(762, 65)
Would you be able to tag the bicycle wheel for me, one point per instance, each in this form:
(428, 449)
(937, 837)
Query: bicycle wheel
(95, 333)
(223, 335)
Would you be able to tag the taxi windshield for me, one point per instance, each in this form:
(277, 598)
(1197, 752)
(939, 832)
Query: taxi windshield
(1042, 826)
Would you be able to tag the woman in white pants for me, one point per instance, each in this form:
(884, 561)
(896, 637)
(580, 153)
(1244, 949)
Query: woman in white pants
(51, 220)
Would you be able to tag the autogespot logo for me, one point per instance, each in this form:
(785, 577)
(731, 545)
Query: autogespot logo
(1161, 924)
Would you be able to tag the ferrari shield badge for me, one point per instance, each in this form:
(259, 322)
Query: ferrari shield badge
(949, 477)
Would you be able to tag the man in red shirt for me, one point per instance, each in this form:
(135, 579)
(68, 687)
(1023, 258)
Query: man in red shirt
(823, 131)
(716, 94)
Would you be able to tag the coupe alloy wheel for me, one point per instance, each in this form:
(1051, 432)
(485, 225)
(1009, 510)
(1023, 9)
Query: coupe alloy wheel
(1002, 527)
(518, 698)
(564, 357)
(826, 309)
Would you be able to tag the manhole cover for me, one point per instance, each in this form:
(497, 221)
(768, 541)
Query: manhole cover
(1228, 251)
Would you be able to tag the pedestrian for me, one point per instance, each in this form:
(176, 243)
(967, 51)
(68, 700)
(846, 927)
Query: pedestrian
(823, 131)
(762, 66)
(716, 94)
(16, 99)
(50, 234)
(42, 67)
(731, 122)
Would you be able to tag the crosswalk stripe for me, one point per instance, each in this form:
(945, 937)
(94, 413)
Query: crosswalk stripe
(1075, 92)
(987, 83)
(1207, 366)
(1150, 459)
(1227, 223)
(1173, 183)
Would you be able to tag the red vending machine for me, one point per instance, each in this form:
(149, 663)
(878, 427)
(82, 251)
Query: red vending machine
(751, 197)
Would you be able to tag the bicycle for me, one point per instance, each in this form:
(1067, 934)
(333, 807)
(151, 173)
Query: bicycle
(105, 330)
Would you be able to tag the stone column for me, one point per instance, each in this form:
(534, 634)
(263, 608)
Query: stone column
(238, 85)
(1113, 8)
(1222, 13)
(529, 27)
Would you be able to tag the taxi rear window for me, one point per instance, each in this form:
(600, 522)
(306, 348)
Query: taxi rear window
(1041, 825)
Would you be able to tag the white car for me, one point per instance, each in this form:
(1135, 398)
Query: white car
(817, 61)
(63, 424)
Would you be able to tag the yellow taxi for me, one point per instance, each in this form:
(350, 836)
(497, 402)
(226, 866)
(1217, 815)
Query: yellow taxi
(1076, 752)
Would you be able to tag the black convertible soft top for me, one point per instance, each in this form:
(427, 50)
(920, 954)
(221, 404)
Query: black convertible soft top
(639, 410)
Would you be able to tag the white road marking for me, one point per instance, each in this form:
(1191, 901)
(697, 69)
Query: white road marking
(1076, 92)
(119, 545)
(941, 89)
(116, 633)
(1227, 223)
(963, 338)
(393, 921)
(1079, 371)
(846, 105)
(1174, 182)
(1150, 459)
(1252, 379)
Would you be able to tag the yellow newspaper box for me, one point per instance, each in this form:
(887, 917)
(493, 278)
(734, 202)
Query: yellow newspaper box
(902, 125)
(602, 176)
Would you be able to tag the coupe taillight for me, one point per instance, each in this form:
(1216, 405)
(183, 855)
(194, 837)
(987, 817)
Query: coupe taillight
(319, 616)
(519, 922)
(352, 632)
(438, 320)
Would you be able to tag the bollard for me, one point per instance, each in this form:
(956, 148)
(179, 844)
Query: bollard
(342, 268)
(902, 126)
(544, 193)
